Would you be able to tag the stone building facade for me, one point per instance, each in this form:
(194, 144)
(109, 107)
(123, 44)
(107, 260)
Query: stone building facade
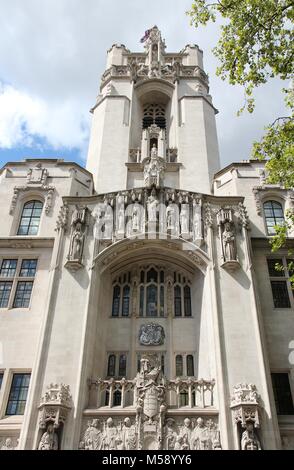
(140, 307)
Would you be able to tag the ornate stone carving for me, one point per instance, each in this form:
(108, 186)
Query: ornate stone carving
(49, 439)
(37, 175)
(62, 218)
(152, 207)
(245, 403)
(243, 216)
(256, 194)
(77, 238)
(8, 443)
(249, 439)
(151, 335)
(47, 192)
(55, 405)
(227, 238)
(154, 170)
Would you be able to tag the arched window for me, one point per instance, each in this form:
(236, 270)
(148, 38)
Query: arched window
(30, 218)
(179, 365)
(154, 114)
(122, 367)
(126, 301)
(116, 301)
(187, 301)
(190, 365)
(111, 365)
(151, 301)
(178, 301)
(149, 292)
(274, 215)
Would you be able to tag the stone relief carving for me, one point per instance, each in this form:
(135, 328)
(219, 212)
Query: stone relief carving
(37, 175)
(8, 443)
(145, 419)
(62, 218)
(249, 439)
(49, 439)
(245, 404)
(151, 335)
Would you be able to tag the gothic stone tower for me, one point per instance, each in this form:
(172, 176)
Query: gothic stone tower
(151, 334)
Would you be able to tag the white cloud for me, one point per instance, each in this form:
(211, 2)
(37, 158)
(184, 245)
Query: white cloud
(25, 118)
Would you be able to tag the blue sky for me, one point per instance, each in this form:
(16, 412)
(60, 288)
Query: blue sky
(53, 53)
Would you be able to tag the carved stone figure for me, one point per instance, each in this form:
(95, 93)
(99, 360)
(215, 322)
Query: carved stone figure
(186, 433)
(170, 435)
(78, 222)
(129, 435)
(110, 436)
(151, 335)
(154, 169)
(7, 444)
(77, 241)
(171, 216)
(152, 205)
(49, 440)
(184, 219)
(197, 227)
(229, 243)
(249, 440)
(93, 436)
(200, 439)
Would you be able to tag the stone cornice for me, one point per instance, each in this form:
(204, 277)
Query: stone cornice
(26, 242)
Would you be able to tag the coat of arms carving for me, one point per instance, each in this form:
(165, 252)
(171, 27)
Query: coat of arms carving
(151, 335)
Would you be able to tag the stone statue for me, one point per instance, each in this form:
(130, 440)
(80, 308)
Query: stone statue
(152, 207)
(129, 436)
(249, 440)
(154, 153)
(229, 244)
(169, 435)
(49, 440)
(154, 169)
(121, 219)
(197, 228)
(78, 222)
(110, 436)
(171, 216)
(186, 433)
(7, 444)
(184, 219)
(136, 218)
(93, 436)
(77, 241)
(200, 439)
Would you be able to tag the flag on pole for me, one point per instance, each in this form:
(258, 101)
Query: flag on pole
(146, 35)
